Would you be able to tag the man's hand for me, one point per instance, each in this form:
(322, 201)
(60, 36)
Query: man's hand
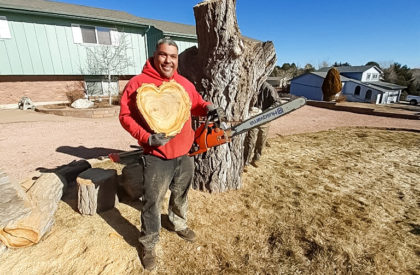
(215, 113)
(157, 140)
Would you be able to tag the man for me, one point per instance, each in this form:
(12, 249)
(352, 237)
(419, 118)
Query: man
(165, 160)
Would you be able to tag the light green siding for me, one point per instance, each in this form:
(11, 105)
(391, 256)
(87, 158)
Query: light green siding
(153, 36)
(45, 46)
(184, 44)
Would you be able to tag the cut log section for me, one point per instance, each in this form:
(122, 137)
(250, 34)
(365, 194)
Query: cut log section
(132, 180)
(97, 189)
(14, 203)
(165, 108)
(44, 195)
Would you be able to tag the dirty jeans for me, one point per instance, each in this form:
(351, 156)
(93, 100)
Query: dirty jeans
(159, 175)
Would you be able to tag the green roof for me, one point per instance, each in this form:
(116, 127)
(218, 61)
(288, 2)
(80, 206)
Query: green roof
(52, 8)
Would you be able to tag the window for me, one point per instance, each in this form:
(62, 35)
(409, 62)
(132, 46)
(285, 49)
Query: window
(104, 36)
(94, 35)
(4, 28)
(368, 95)
(357, 90)
(88, 34)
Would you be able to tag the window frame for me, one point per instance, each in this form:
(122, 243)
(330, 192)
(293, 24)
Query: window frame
(78, 34)
(4, 28)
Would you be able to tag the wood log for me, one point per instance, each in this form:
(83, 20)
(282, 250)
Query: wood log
(3, 248)
(14, 203)
(73, 169)
(97, 189)
(165, 108)
(229, 70)
(132, 180)
(44, 195)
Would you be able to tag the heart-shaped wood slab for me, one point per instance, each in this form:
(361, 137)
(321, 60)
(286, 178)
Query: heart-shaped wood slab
(165, 108)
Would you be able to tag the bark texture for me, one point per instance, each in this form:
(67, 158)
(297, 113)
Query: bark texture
(14, 203)
(44, 195)
(228, 69)
(97, 189)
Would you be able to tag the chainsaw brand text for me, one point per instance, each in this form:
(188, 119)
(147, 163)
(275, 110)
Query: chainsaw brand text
(267, 116)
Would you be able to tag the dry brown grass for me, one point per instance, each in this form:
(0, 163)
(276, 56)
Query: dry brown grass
(342, 201)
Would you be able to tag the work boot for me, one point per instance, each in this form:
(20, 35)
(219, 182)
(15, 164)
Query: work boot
(148, 258)
(187, 234)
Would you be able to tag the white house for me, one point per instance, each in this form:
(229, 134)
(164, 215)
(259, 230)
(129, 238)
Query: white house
(360, 84)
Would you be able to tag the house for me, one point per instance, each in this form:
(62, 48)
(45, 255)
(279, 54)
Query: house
(44, 45)
(360, 84)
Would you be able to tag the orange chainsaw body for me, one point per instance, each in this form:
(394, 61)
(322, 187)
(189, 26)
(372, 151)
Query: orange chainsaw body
(208, 135)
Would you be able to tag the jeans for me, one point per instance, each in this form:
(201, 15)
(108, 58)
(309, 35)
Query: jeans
(159, 175)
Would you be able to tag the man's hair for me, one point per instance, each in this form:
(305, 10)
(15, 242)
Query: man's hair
(166, 40)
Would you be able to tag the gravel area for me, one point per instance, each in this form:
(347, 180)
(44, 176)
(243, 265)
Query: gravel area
(30, 140)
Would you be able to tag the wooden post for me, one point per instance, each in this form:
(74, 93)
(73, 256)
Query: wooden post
(97, 189)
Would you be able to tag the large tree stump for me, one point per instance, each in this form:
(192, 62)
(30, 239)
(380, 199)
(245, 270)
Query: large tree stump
(97, 189)
(44, 195)
(14, 203)
(228, 70)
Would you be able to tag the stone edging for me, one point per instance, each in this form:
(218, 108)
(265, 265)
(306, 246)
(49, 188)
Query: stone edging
(84, 113)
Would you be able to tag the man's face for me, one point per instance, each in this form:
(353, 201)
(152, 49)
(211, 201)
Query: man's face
(165, 60)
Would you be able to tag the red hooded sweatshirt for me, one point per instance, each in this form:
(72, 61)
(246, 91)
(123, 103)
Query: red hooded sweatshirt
(134, 123)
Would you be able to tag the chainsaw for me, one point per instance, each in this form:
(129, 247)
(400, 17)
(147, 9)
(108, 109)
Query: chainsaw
(210, 134)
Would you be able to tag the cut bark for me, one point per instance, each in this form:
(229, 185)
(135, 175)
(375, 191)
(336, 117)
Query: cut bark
(44, 195)
(228, 70)
(14, 203)
(165, 108)
(97, 189)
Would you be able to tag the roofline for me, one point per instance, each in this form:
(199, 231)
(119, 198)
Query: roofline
(179, 34)
(63, 15)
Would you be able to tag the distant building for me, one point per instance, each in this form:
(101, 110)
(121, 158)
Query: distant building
(360, 84)
(43, 47)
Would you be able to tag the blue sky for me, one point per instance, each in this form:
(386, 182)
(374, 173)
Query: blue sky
(309, 31)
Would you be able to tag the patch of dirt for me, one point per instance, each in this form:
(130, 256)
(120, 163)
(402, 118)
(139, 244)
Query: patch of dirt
(324, 199)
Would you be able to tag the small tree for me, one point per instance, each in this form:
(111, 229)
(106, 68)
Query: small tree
(331, 85)
(108, 60)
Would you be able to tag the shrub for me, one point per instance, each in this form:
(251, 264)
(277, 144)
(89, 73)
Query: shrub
(331, 85)
(75, 91)
(341, 98)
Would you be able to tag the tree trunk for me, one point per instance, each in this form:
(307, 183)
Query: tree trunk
(14, 203)
(228, 69)
(44, 195)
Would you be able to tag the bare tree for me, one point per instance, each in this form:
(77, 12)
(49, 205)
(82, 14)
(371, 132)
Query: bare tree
(108, 60)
